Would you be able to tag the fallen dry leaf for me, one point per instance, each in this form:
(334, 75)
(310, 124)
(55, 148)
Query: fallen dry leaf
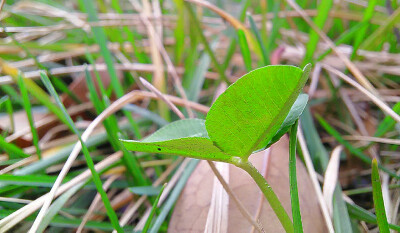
(190, 212)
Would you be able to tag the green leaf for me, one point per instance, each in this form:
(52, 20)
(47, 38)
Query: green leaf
(179, 129)
(146, 190)
(378, 199)
(193, 147)
(294, 114)
(249, 113)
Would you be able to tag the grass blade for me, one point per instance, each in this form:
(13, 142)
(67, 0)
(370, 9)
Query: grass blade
(101, 39)
(111, 125)
(96, 177)
(320, 158)
(174, 195)
(374, 40)
(257, 33)
(358, 153)
(205, 43)
(56, 207)
(361, 33)
(28, 110)
(153, 210)
(294, 192)
(323, 12)
(35, 91)
(12, 150)
(5, 101)
(364, 215)
(378, 199)
(244, 48)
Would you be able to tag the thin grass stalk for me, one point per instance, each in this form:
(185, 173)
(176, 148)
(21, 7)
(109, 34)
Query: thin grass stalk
(294, 192)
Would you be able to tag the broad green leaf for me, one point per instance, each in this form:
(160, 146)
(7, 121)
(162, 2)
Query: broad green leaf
(194, 147)
(179, 129)
(249, 113)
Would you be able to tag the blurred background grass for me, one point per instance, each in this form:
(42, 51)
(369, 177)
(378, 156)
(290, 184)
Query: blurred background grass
(93, 53)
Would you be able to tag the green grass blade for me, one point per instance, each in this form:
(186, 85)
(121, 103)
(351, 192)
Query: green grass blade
(60, 85)
(35, 91)
(294, 192)
(145, 113)
(207, 47)
(361, 33)
(364, 215)
(359, 154)
(345, 37)
(257, 33)
(153, 211)
(244, 48)
(388, 122)
(340, 214)
(56, 207)
(276, 25)
(378, 199)
(165, 209)
(320, 159)
(194, 81)
(9, 90)
(375, 39)
(111, 126)
(323, 12)
(6, 102)
(28, 110)
(12, 150)
(179, 32)
(101, 39)
(229, 54)
(96, 177)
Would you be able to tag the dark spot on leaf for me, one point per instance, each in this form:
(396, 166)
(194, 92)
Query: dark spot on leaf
(159, 149)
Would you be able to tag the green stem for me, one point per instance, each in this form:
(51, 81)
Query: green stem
(268, 193)
(294, 193)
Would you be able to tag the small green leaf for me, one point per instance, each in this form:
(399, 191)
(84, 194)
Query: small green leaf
(294, 114)
(193, 147)
(146, 190)
(249, 113)
(179, 129)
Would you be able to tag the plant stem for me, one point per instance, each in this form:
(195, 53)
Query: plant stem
(294, 193)
(268, 193)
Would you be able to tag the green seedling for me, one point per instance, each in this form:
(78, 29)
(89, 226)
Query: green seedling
(252, 114)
